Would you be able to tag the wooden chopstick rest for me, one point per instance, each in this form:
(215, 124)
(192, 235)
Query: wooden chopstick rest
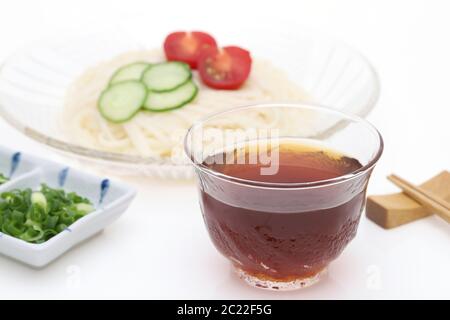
(425, 198)
(392, 210)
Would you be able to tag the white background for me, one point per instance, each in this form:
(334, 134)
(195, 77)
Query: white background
(160, 248)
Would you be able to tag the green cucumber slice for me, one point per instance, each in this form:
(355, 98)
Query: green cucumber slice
(164, 101)
(166, 76)
(120, 102)
(131, 71)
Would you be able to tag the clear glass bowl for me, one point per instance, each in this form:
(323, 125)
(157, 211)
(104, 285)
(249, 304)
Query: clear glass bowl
(33, 83)
(281, 234)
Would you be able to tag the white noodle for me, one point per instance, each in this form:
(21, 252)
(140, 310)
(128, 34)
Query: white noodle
(160, 134)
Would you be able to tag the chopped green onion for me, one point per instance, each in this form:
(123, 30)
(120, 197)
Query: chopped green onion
(3, 179)
(38, 216)
(38, 198)
(85, 207)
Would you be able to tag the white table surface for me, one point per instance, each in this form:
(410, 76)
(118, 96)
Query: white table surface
(160, 247)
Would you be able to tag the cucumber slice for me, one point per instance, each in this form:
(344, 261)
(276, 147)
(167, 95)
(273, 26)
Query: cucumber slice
(120, 102)
(166, 76)
(163, 101)
(131, 71)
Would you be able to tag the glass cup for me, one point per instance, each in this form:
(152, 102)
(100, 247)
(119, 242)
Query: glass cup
(280, 235)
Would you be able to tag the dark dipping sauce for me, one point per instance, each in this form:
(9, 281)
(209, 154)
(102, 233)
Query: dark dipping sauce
(276, 245)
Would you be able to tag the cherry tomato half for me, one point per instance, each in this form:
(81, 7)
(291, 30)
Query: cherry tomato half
(187, 46)
(224, 68)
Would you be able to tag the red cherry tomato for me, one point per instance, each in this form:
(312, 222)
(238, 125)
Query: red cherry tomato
(186, 46)
(225, 68)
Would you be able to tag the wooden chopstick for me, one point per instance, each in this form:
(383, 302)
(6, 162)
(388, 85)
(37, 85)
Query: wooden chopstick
(425, 198)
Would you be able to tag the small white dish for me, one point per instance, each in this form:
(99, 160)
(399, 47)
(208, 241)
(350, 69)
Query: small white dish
(13, 167)
(111, 199)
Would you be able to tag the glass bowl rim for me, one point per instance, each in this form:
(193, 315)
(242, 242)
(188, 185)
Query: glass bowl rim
(300, 185)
